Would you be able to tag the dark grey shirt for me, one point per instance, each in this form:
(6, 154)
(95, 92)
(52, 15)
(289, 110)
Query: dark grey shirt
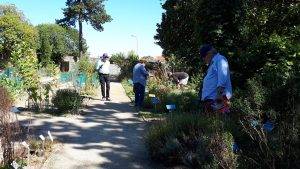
(179, 76)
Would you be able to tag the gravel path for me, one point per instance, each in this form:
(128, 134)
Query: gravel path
(109, 136)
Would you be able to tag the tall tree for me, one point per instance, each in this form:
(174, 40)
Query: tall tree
(55, 42)
(91, 11)
(14, 29)
(246, 31)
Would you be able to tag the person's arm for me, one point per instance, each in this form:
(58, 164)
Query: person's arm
(223, 73)
(99, 65)
(144, 71)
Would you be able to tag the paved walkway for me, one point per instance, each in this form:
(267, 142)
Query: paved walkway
(109, 136)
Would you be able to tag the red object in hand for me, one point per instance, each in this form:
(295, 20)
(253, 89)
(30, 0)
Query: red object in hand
(220, 105)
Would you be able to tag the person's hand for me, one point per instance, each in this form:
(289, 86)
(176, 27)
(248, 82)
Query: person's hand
(219, 99)
(220, 93)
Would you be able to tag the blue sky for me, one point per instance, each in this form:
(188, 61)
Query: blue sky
(130, 17)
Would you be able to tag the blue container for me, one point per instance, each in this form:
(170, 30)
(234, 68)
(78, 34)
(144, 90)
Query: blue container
(235, 147)
(171, 106)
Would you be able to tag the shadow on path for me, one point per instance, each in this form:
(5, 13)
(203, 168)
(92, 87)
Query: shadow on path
(108, 136)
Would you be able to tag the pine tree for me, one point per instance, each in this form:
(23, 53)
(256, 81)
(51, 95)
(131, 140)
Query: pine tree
(91, 11)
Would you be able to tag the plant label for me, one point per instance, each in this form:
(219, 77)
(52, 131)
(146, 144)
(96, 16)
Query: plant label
(50, 136)
(254, 123)
(235, 147)
(42, 137)
(268, 126)
(171, 106)
(15, 165)
(155, 100)
(25, 144)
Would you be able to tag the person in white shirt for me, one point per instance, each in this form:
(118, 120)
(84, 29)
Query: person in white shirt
(103, 69)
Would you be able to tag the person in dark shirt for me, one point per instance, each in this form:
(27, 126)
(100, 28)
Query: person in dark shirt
(179, 78)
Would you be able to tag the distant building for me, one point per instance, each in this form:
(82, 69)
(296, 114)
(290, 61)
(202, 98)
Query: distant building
(67, 64)
(160, 59)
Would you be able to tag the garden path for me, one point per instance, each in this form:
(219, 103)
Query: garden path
(108, 136)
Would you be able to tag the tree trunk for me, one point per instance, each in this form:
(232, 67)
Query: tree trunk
(80, 30)
(80, 36)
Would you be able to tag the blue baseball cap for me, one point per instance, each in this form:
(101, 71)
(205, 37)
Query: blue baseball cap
(204, 49)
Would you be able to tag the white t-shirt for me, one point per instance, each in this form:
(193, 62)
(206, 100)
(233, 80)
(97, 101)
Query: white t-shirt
(103, 67)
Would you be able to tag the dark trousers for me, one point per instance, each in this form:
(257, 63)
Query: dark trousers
(104, 81)
(139, 94)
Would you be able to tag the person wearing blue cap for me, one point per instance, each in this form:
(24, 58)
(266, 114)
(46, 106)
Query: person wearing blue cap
(103, 69)
(216, 90)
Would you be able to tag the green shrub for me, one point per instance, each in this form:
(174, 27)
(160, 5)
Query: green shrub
(128, 89)
(275, 149)
(117, 58)
(125, 63)
(51, 69)
(185, 100)
(26, 63)
(13, 85)
(86, 67)
(67, 100)
(191, 140)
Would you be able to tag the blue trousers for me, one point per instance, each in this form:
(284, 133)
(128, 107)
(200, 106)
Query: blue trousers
(139, 94)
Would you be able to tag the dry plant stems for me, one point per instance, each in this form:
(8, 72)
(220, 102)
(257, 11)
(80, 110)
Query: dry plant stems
(8, 126)
(260, 136)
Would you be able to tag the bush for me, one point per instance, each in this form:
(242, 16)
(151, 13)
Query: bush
(125, 63)
(14, 85)
(51, 69)
(275, 149)
(87, 68)
(191, 140)
(185, 100)
(25, 61)
(67, 100)
(117, 58)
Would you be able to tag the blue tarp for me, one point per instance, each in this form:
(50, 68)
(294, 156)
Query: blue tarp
(79, 79)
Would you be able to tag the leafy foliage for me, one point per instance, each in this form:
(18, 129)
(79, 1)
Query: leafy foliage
(126, 63)
(67, 100)
(13, 85)
(276, 149)
(86, 67)
(91, 11)
(55, 42)
(117, 58)
(15, 29)
(192, 140)
(26, 63)
(247, 32)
